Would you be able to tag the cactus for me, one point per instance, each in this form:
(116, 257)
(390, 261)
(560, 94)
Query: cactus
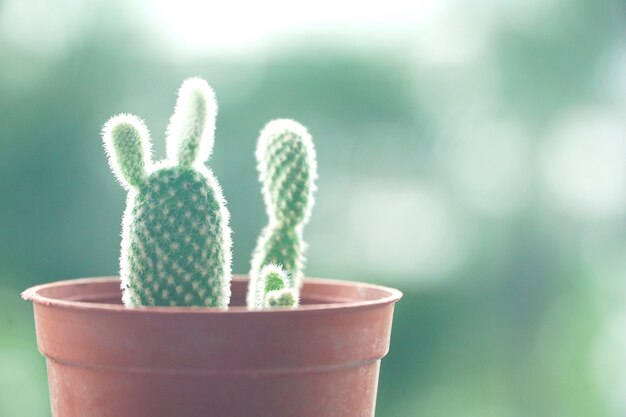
(285, 297)
(176, 244)
(272, 289)
(287, 170)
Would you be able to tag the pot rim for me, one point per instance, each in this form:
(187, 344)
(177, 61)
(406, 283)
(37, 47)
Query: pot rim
(34, 294)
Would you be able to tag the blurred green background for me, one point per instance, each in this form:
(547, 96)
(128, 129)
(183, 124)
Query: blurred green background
(472, 154)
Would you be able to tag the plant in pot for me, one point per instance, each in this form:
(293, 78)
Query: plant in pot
(184, 339)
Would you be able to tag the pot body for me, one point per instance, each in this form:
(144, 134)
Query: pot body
(319, 360)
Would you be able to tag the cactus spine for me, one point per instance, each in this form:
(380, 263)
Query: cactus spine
(287, 170)
(176, 244)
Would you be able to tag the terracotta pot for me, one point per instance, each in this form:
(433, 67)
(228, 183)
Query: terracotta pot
(319, 360)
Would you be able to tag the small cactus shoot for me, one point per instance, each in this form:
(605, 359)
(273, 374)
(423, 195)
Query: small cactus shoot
(281, 298)
(287, 171)
(176, 243)
(272, 289)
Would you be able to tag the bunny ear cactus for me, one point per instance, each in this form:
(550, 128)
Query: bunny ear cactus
(287, 170)
(176, 244)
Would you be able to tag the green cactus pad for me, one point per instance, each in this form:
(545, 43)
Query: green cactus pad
(175, 238)
(287, 170)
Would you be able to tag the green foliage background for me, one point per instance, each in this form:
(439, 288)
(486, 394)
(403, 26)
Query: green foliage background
(482, 184)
